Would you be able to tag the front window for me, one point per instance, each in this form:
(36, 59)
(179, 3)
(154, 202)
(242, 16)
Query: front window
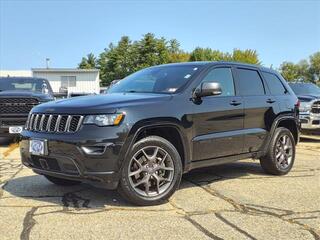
(162, 79)
(24, 84)
(305, 89)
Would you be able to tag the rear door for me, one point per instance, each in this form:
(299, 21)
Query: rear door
(260, 107)
(218, 120)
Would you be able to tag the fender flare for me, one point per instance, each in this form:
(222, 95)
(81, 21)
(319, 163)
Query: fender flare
(274, 126)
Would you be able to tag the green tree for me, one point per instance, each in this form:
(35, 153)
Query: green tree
(245, 56)
(88, 62)
(289, 71)
(206, 54)
(117, 61)
(315, 67)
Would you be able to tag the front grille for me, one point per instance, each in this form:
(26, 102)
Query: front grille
(315, 107)
(54, 123)
(17, 105)
(13, 122)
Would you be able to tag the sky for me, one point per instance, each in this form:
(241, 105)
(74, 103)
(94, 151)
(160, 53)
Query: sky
(65, 31)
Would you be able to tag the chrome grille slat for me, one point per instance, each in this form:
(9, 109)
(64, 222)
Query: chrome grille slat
(41, 122)
(54, 123)
(49, 123)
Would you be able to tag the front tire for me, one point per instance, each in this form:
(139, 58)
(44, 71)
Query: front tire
(61, 181)
(281, 153)
(151, 172)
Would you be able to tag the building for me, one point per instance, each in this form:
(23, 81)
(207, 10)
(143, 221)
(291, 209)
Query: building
(63, 80)
(78, 81)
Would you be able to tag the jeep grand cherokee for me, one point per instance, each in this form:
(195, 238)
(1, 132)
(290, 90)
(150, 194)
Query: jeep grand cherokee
(161, 122)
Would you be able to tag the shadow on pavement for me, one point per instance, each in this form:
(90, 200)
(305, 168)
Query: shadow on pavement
(37, 188)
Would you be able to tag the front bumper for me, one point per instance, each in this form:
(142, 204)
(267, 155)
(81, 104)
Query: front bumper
(310, 121)
(67, 155)
(11, 121)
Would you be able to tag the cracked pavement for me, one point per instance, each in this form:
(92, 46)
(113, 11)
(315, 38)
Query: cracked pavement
(232, 201)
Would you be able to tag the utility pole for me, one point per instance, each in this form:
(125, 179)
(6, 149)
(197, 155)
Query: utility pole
(47, 62)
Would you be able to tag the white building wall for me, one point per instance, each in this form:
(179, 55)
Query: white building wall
(86, 82)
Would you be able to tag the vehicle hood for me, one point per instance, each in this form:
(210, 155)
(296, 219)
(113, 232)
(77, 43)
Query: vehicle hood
(308, 98)
(105, 103)
(21, 94)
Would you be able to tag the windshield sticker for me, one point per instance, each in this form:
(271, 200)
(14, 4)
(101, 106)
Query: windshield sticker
(172, 89)
(195, 69)
(187, 76)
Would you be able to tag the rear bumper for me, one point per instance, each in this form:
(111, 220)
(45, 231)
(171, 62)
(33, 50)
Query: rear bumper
(68, 156)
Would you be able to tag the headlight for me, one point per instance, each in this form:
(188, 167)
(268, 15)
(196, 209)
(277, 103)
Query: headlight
(305, 106)
(104, 120)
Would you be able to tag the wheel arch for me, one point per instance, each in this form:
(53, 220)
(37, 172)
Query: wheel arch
(171, 131)
(288, 121)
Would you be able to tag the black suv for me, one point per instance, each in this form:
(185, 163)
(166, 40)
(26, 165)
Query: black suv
(18, 95)
(161, 122)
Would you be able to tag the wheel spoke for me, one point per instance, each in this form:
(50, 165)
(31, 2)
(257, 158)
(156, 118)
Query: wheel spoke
(154, 155)
(278, 155)
(166, 168)
(164, 158)
(145, 179)
(135, 172)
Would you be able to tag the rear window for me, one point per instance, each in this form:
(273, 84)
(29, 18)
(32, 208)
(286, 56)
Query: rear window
(250, 82)
(274, 84)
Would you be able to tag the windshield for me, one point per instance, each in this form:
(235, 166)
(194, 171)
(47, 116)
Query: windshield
(24, 84)
(305, 89)
(162, 79)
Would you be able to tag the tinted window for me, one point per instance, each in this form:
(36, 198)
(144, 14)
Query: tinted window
(305, 88)
(250, 83)
(274, 84)
(224, 77)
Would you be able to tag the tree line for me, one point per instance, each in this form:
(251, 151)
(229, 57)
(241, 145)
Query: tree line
(125, 57)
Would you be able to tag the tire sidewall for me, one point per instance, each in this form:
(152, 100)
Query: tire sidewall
(125, 185)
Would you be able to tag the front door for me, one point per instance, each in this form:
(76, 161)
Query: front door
(218, 120)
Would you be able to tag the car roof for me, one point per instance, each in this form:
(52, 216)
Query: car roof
(208, 63)
(22, 78)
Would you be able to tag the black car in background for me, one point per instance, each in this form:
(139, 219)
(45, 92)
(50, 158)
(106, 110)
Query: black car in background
(309, 96)
(161, 122)
(18, 95)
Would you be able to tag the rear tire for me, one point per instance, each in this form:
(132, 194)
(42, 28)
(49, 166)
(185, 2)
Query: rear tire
(280, 156)
(61, 181)
(151, 172)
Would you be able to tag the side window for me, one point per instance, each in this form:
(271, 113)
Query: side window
(274, 84)
(224, 77)
(250, 82)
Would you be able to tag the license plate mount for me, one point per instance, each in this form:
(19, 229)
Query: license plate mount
(38, 147)
(15, 129)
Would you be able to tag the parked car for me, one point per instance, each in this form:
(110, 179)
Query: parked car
(18, 95)
(309, 96)
(161, 122)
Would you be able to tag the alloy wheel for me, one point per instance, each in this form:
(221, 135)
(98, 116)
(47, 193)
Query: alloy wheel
(284, 152)
(151, 171)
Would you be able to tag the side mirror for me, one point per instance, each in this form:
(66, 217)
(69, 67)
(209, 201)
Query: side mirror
(207, 89)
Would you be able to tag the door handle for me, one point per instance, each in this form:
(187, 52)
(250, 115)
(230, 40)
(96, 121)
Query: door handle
(235, 103)
(271, 100)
